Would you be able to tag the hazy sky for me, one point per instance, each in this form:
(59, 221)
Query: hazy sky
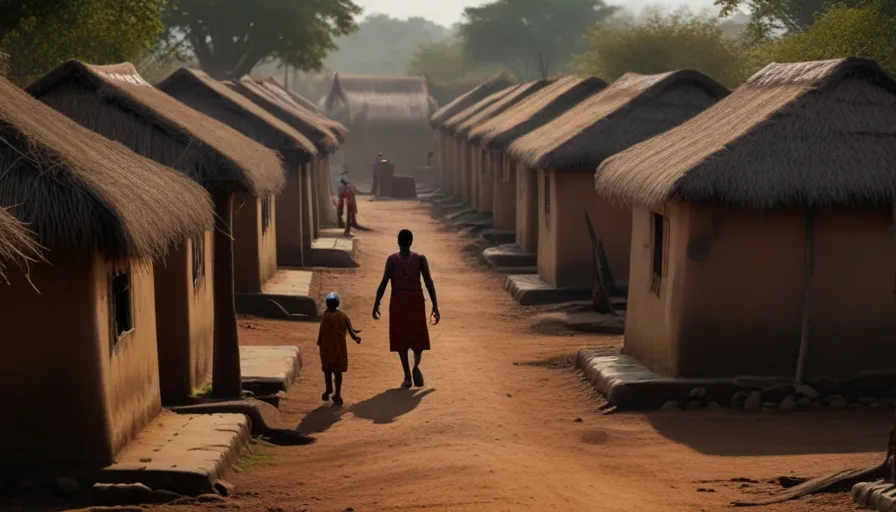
(447, 12)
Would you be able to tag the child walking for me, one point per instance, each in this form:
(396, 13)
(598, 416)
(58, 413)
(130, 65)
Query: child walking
(333, 351)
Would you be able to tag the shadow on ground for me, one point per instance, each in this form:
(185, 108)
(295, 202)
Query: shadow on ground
(387, 406)
(739, 433)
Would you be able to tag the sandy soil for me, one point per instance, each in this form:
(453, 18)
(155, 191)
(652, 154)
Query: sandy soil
(492, 432)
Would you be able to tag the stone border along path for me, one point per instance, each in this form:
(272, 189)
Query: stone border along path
(629, 385)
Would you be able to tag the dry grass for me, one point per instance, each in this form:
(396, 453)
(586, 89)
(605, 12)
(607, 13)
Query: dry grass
(203, 93)
(813, 134)
(302, 120)
(632, 109)
(468, 99)
(535, 111)
(76, 189)
(17, 245)
(502, 105)
(116, 102)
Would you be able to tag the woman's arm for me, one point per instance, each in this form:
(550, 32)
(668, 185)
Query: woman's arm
(430, 287)
(387, 274)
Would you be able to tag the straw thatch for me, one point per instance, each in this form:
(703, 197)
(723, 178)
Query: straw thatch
(381, 99)
(468, 99)
(499, 107)
(450, 124)
(297, 101)
(813, 134)
(203, 93)
(538, 109)
(78, 190)
(118, 103)
(302, 120)
(632, 109)
(17, 245)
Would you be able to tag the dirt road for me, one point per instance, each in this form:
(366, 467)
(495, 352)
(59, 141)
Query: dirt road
(492, 433)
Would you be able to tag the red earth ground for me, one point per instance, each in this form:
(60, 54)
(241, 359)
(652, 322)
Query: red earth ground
(490, 432)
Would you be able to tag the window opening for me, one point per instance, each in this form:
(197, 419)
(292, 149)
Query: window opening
(658, 252)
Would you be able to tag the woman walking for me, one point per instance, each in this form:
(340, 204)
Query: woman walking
(407, 307)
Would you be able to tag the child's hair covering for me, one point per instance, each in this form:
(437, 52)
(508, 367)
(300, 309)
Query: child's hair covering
(333, 297)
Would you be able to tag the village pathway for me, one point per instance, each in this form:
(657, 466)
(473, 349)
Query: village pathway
(504, 423)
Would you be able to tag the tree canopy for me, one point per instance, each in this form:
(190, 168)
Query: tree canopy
(41, 34)
(383, 45)
(867, 31)
(230, 37)
(532, 37)
(660, 42)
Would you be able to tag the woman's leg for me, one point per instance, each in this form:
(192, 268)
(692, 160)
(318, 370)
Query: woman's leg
(405, 365)
(418, 356)
(337, 398)
(417, 374)
(328, 381)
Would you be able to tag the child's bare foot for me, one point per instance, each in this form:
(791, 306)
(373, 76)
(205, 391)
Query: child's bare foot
(326, 396)
(337, 401)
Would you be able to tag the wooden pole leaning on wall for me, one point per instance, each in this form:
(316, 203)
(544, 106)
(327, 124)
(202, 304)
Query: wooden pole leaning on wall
(807, 294)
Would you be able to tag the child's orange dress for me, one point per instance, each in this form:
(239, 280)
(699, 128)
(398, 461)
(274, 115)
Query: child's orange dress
(331, 340)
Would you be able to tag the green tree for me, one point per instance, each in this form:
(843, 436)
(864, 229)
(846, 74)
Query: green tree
(42, 34)
(867, 31)
(768, 17)
(230, 37)
(446, 61)
(383, 45)
(661, 42)
(531, 37)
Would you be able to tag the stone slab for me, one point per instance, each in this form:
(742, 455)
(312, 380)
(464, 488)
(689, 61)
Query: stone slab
(879, 495)
(443, 210)
(463, 215)
(269, 369)
(531, 290)
(334, 252)
(629, 385)
(593, 321)
(509, 255)
(184, 453)
(515, 270)
(288, 295)
(496, 236)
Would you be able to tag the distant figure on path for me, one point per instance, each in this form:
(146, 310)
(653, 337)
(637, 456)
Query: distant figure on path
(379, 158)
(349, 204)
(407, 307)
(333, 351)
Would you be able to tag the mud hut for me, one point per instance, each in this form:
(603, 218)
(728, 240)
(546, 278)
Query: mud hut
(202, 93)
(384, 114)
(242, 176)
(270, 83)
(456, 159)
(323, 134)
(559, 159)
(462, 102)
(82, 327)
(474, 165)
(498, 189)
(17, 245)
(765, 220)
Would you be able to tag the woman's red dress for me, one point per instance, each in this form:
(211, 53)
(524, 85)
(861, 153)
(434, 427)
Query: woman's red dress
(407, 308)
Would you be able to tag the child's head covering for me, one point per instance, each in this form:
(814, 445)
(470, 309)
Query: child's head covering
(333, 300)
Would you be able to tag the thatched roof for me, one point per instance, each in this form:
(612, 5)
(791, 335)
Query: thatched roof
(78, 190)
(118, 103)
(450, 124)
(273, 85)
(298, 118)
(632, 109)
(381, 99)
(203, 93)
(538, 109)
(468, 99)
(812, 134)
(295, 100)
(499, 107)
(17, 245)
